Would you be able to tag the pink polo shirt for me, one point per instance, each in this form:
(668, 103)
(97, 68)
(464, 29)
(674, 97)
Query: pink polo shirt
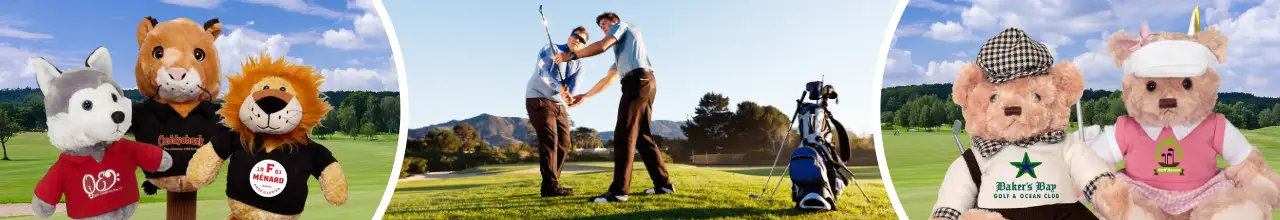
(1168, 162)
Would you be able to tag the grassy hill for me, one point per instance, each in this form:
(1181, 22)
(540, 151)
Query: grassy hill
(366, 165)
(916, 175)
(701, 193)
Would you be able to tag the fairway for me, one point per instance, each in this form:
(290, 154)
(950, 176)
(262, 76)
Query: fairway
(366, 164)
(701, 192)
(918, 160)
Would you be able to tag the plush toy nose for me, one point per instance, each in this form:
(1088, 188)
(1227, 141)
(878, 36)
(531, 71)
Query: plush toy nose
(1012, 111)
(1168, 103)
(117, 117)
(177, 73)
(271, 104)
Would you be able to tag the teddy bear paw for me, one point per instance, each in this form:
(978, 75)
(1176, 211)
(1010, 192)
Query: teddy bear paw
(978, 214)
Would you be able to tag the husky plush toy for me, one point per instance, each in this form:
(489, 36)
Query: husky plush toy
(88, 115)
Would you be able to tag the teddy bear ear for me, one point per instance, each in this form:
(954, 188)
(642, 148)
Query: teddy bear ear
(970, 77)
(1121, 46)
(1070, 82)
(1215, 41)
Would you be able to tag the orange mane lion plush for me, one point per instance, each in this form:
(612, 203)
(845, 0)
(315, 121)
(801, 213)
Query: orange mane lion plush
(271, 108)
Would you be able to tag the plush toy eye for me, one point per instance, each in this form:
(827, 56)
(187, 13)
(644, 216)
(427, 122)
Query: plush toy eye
(994, 96)
(282, 88)
(199, 53)
(87, 105)
(1151, 86)
(266, 87)
(1186, 83)
(157, 52)
(1036, 96)
(115, 98)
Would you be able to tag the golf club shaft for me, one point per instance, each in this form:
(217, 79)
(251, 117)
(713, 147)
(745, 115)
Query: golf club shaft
(1080, 119)
(550, 42)
(783, 143)
(780, 178)
(855, 183)
(955, 133)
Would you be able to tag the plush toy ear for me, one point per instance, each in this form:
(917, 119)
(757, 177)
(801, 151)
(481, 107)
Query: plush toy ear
(99, 60)
(214, 27)
(1216, 43)
(145, 27)
(969, 78)
(1121, 46)
(1070, 83)
(45, 73)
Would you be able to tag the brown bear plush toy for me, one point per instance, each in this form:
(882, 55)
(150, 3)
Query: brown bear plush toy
(1023, 165)
(1171, 138)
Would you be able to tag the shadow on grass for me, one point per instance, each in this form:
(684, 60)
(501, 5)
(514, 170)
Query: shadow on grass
(17, 160)
(434, 188)
(862, 173)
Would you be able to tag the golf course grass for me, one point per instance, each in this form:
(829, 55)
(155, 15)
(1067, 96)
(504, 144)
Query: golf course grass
(918, 160)
(701, 192)
(366, 164)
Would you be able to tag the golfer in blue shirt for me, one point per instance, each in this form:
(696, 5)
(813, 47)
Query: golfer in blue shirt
(632, 134)
(546, 101)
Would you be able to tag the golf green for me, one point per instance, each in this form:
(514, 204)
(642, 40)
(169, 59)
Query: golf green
(701, 192)
(918, 160)
(366, 164)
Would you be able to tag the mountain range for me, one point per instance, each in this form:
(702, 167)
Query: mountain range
(500, 131)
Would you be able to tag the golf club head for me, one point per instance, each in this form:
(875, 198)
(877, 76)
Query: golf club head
(753, 196)
(955, 128)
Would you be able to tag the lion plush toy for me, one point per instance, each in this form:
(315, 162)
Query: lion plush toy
(177, 69)
(271, 108)
(1171, 138)
(88, 115)
(1023, 165)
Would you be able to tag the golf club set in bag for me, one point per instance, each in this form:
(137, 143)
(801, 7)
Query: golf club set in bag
(817, 169)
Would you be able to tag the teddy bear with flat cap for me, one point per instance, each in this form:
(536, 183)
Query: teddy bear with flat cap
(1023, 164)
(1171, 138)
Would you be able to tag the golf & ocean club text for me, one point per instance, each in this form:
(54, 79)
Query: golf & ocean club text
(1036, 190)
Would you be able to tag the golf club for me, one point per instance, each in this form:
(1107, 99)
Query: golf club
(559, 74)
(955, 133)
(778, 153)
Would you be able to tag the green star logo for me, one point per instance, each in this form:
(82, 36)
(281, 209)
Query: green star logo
(1026, 166)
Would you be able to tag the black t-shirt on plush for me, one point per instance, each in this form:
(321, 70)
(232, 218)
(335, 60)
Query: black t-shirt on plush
(254, 177)
(158, 124)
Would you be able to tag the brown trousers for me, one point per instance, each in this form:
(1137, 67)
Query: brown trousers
(632, 133)
(551, 123)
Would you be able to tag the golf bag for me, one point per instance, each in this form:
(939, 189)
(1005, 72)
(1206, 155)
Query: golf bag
(818, 172)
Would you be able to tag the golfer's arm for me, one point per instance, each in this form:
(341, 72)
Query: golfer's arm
(603, 83)
(597, 47)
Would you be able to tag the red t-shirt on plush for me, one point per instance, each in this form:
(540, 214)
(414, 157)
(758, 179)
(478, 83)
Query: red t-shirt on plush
(93, 188)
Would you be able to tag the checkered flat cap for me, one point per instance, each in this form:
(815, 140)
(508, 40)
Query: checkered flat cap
(1011, 55)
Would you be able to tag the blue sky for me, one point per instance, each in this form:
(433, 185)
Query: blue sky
(936, 37)
(343, 40)
(466, 58)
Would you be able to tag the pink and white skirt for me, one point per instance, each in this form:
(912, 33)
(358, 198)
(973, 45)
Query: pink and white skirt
(1177, 202)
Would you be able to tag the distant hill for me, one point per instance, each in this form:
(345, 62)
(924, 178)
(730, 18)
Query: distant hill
(500, 131)
(17, 95)
(664, 128)
(892, 98)
(497, 130)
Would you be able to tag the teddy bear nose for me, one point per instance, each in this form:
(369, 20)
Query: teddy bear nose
(1168, 103)
(271, 104)
(117, 117)
(1012, 111)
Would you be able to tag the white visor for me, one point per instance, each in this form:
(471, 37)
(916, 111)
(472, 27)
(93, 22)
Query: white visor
(1170, 58)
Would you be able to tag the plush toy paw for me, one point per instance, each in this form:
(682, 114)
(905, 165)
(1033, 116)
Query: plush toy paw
(204, 166)
(1257, 178)
(44, 210)
(1114, 201)
(334, 184)
(978, 214)
(1233, 204)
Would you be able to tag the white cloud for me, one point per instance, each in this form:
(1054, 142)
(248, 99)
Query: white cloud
(1254, 42)
(353, 62)
(342, 39)
(369, 25)
(943, 72)
(195, 3)
(949, 32)
(300, 6)
(960, 54)
(241, 43)
(15, 65)
(977, 17)
(366, 5)
(376, 79)
(933, 5)
(7, 29)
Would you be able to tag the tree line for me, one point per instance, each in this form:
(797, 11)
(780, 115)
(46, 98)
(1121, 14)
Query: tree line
(360, 114)
(929, 106)
(753, 130)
